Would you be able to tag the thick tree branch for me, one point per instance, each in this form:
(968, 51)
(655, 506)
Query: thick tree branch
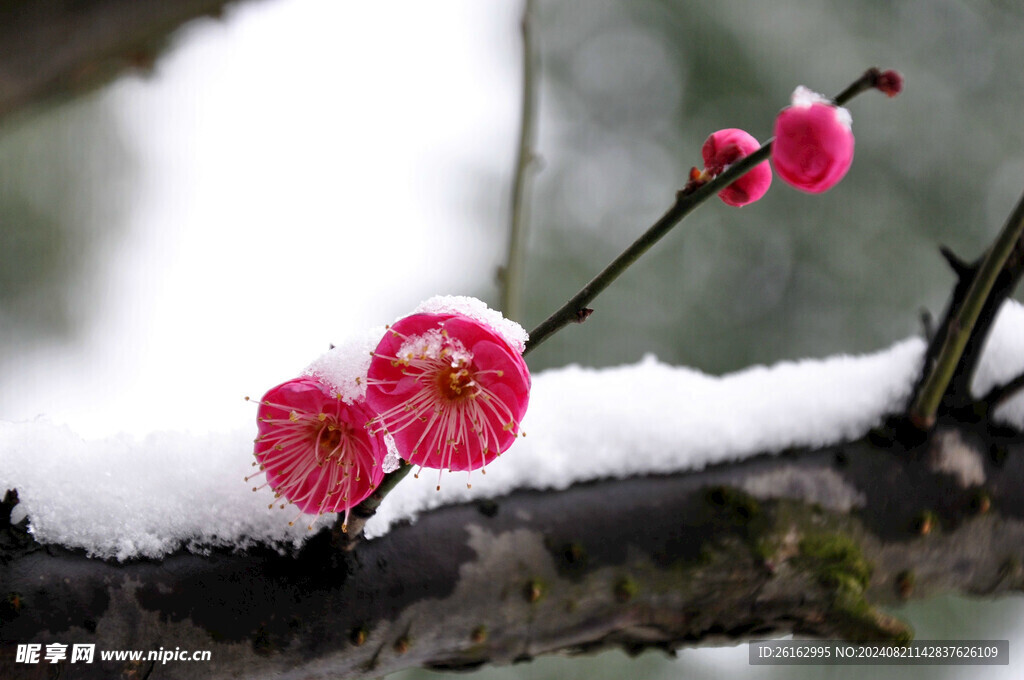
(807, 541)
(54, 49)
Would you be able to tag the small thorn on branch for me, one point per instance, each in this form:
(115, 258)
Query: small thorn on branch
(958, 265)
(927, 324)
(1000, 394)
(583, 314)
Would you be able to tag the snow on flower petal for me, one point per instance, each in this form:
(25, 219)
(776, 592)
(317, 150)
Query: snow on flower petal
(813, 147)
(725, 147)
(514, 334)
(315, 449)
(450, 389)
(343, 368)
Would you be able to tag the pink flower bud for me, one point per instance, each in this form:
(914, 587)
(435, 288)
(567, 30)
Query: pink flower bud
(449, 388)
(889, 82)
(813, 145)
(315, 449)
(725, 147)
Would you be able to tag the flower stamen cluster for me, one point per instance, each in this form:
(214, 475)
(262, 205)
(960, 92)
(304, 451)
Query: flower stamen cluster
(314, 449)
(449, 390)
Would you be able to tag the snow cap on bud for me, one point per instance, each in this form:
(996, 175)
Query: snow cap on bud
(813, 145)
(342, 369)
(449, 384)
(725, 147)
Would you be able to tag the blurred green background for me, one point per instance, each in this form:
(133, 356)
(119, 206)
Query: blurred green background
(66, 179)
(633, 88)
(629, 91)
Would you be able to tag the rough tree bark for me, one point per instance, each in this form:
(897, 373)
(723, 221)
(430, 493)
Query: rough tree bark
(807, 542)
(57, 49)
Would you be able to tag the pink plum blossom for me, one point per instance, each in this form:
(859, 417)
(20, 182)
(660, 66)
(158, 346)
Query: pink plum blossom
(315, 449)
(813, 145)
(725, 147)
(449, 388)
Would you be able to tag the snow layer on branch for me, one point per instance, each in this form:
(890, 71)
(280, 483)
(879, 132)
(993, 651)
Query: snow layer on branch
(586, 423)
(123, 498)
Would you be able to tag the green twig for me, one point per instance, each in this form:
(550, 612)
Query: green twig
(869, 80)
(512, 275)
(961, 326)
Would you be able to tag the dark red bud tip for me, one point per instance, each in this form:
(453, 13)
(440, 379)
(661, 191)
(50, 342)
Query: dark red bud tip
(889, 82)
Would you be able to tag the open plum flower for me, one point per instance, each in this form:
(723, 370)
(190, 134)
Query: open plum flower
(725, 147)
(813, 145)
(449, 387)
(314, 448)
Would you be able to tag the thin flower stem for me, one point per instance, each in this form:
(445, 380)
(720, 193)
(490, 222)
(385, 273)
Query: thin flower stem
(362, 513)
(576, 308)
(512, 275)
(922, 412)
(868, 81)
(573, 310)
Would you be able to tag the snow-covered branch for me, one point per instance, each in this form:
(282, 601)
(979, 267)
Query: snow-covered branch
(807, 541)
(650, 506)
